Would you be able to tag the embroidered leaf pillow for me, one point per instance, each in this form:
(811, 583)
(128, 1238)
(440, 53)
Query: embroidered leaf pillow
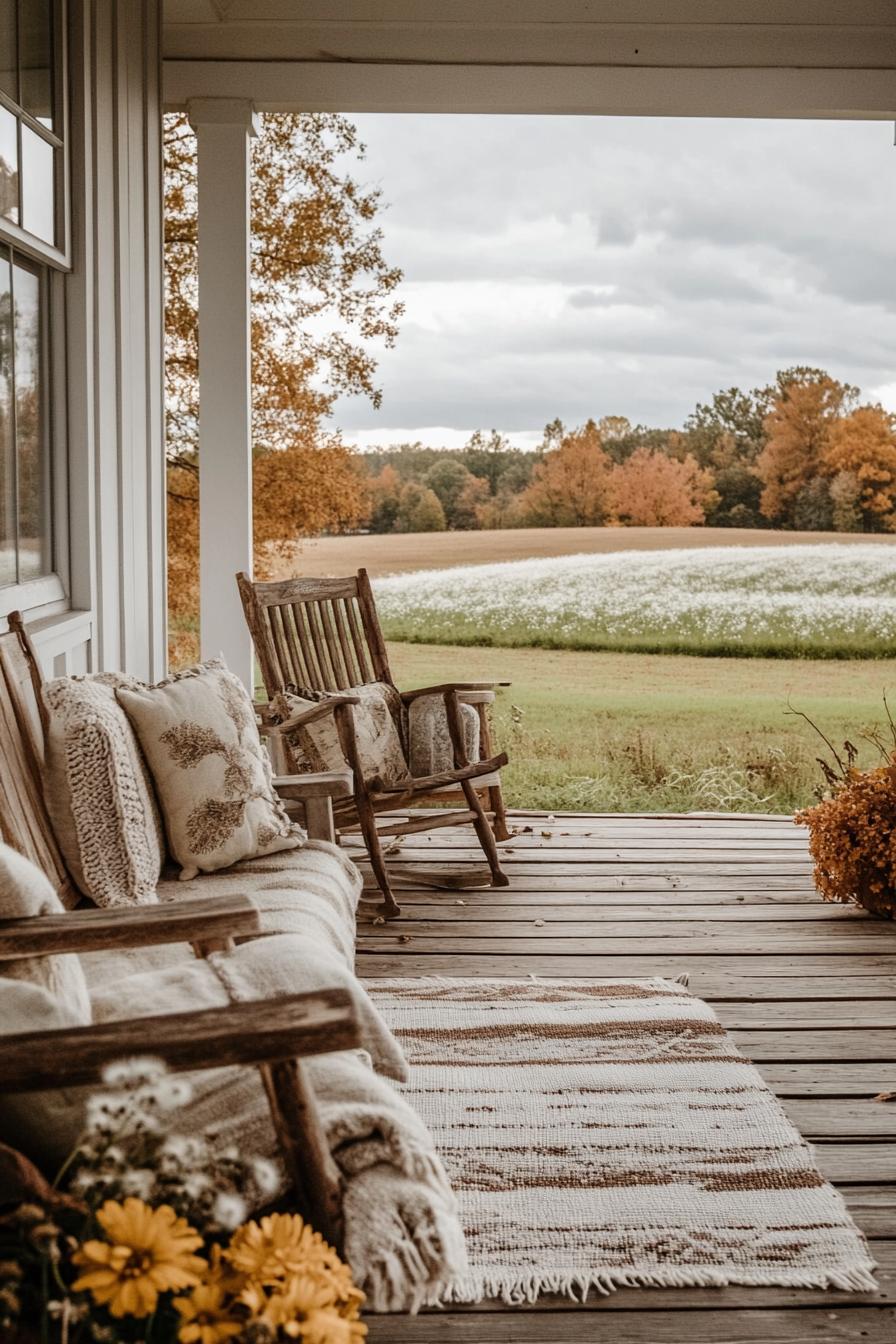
(315, 746)
(212, 775)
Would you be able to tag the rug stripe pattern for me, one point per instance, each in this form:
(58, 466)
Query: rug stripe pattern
(606, 1134)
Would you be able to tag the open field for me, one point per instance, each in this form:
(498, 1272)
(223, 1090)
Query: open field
(828, 601)
(637, 732)
(404, 552)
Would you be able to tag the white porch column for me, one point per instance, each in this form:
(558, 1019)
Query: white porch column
(223, 129)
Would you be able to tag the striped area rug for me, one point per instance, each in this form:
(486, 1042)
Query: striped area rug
(601, 1134)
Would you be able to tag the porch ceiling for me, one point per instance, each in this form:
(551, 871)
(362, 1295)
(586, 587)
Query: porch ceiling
(740, 57)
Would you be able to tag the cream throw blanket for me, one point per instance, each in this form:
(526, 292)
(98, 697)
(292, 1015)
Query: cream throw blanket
(403, 1236)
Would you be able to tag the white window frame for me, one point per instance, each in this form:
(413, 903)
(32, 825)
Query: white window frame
(48, 595)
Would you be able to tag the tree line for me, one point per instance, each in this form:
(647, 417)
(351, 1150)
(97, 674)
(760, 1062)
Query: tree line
(801, 454)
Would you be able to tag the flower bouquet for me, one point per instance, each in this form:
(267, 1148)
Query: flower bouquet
(143, 1236)
(852, 828)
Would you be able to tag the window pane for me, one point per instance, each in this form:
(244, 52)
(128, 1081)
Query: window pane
(37, 186)
(9, 166)
(31, 467)
(36, 58)
(7, 447)
(9, 82)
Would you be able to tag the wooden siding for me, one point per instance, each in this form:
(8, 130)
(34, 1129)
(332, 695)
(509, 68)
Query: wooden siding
(808, 991)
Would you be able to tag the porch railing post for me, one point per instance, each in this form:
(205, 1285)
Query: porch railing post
(224, 128)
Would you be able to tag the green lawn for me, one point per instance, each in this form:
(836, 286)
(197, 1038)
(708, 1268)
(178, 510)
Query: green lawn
(650, 733)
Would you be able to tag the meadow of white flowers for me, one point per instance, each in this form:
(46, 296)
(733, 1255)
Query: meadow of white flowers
(826, 599)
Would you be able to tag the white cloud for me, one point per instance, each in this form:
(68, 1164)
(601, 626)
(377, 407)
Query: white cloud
(591, 266)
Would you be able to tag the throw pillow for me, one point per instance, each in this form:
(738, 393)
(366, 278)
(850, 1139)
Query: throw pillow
(212, 775)
(315, 746)
(25, 893)
(429, 741)
(98, 792)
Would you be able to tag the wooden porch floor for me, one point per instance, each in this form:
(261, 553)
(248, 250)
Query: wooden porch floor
(807, 990)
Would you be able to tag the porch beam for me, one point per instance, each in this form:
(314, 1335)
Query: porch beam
(224, 128)
(841, 93)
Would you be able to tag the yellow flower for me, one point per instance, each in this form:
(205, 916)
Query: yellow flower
(148, 1251)
(206, 1315)
(302, 1308)
(279, 1246)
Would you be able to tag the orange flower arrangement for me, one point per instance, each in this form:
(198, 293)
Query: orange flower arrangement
(852, 832)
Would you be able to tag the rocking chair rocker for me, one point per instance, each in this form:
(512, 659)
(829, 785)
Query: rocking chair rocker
(324, 635)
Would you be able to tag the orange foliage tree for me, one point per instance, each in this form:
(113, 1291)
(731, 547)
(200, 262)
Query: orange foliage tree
(322, 297)
(653, 490)
(571, 486)
(861, 451)
(805, 405)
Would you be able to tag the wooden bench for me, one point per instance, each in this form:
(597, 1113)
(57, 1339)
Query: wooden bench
(271, 1034)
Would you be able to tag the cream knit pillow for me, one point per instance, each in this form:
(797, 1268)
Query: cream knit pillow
(212, 776)
(25, 892)
(99, 793)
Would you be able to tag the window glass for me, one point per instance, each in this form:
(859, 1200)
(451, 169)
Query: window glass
(31, 467)
(7, 443)
(36, 59)
(9, 78)
(9, 166)
(37, 186)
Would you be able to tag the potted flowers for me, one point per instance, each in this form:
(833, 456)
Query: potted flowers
(852, 828)
(144, 1236)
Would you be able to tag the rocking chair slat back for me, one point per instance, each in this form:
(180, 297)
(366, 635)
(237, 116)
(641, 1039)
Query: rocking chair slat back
(319, 633)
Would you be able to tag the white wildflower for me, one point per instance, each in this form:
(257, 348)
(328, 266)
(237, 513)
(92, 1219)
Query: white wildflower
(173, 1093)
(266, 1177)
(134, 1072)
(196, 1184)
(137, 1181)
(229, 1211)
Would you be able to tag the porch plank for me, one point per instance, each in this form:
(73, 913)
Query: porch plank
(815, 1325)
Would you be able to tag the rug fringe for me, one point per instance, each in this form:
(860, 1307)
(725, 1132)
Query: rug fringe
(516, 1290)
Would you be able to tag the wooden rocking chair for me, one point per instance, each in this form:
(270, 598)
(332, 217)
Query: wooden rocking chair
(324, 634)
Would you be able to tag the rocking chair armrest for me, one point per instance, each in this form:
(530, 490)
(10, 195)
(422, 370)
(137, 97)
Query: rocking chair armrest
(472, 687)
(325, 784)
(265, 1031)
(425, 783)
(198, 920)
(318, 711)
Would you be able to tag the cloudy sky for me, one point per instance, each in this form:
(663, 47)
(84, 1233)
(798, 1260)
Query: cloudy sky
(581, 267)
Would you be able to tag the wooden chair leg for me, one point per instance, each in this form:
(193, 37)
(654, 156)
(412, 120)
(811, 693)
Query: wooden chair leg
(486, 835)
(495, 796)
(366, 815)
(496, 806)
(315, 1178)
(390, 907)
(474, 803)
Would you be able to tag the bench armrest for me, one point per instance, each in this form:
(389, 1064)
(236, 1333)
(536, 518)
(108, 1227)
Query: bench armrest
(264, 1032)
(326, 784)
(197, 920)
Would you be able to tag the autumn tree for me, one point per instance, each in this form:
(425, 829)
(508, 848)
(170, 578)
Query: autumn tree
(650, 489)
(322, 300)
(571, 485)
(861, 453)
(384, 495)
(804, 406)
(419, 510)
(450, 481)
